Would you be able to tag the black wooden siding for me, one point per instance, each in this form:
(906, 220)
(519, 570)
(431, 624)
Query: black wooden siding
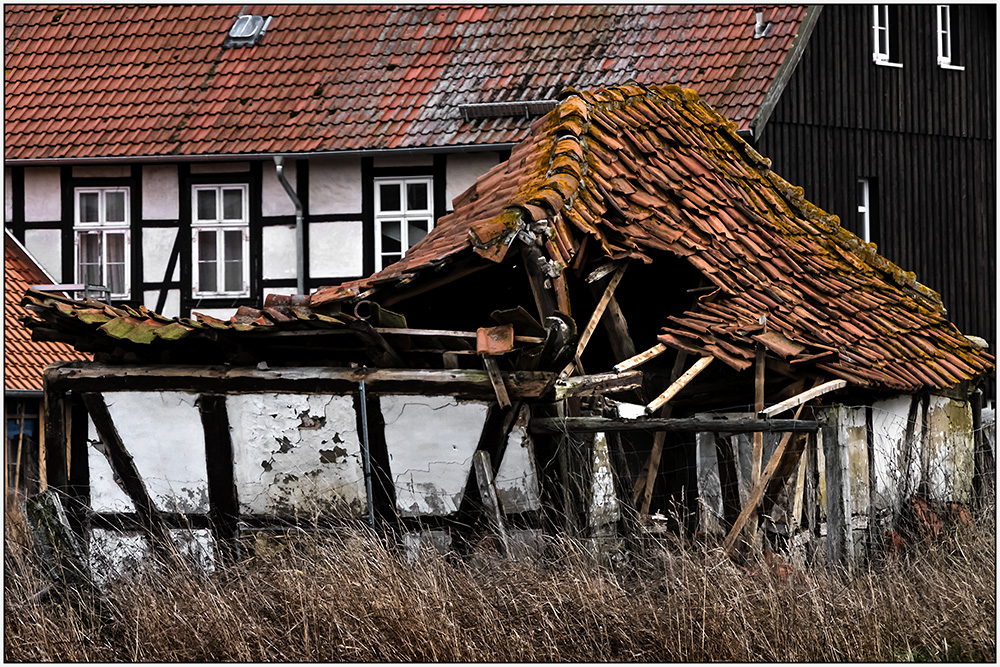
(925, 135)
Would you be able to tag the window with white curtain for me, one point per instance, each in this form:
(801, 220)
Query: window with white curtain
(221, 236)
(101, 237)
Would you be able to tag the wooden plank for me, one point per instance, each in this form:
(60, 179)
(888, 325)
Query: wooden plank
(224, 507)
(681, 382)
(87, 376)
(54, 460)
(679, 425)
(446, 333)
(488, 494)
(749, 510)
(646, 479)
(595, 317)
(807, 395)
(127, 475)
(641, 358)
(758, 438)
(600, 383)
(496, 380)
(545, 300)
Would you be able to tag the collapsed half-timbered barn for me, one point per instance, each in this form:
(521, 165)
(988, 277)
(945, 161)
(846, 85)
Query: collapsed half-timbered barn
(632, 318)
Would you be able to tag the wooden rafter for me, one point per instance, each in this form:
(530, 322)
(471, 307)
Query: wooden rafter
(595, 318)
(799, 399)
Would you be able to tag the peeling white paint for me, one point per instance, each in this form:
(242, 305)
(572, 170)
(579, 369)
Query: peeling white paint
(516, 480)
(431, 440)
(173, 468)
(336, 249)
(416, 543)
(160, 192)
(42, 195)
(297, 454)
(604, 509)
(113, 554)
(45, 245)
(334, 185)
(157, 243)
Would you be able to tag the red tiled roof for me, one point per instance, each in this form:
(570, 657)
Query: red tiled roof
(642, 169)
(25, 359)
(85, 81)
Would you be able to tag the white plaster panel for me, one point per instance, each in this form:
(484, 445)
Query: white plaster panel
(105, 494)
(462, 170)
(160, 192)
(163, 433)
(336, 250)
(896, 464)
(297, 454)
(709, 482)
(219, 167)
(113, 554)
(171, 307)
(604, 503)
(951, 450)
(157, 242)
(223, 314)
(334, 185)
(102, 171)
(42, 195)
(274, 199)
(431, 440)
(45, 245)
(8, 199)
(516, 481)
(278, 250)
(417, 160)
(854, 432)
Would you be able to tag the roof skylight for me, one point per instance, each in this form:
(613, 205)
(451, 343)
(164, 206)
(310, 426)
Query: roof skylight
(247, 30)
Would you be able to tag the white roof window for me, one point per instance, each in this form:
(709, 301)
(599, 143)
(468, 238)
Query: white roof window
(247, 30)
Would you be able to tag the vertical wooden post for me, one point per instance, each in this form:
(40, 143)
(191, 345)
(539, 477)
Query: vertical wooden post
(55, 437)
(223, 500)
(839, 533)
(872, 482)
(758, 437)
(648, 476)
(488, 493)
(17, 462)
(78, 476)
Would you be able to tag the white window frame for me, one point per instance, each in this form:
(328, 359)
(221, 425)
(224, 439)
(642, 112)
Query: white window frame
(944, 52)
(403, 215)
(865, 209)
(881, 34)
(219, 225)
(103, 227)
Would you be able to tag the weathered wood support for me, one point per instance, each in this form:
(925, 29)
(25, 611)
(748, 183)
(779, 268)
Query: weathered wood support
(78, 478)
(679, 425)
(729, 481)
(488, 493)
(87, 377)
(496, 379)
(839, 533)
(595, 318)
(679, 384)
(641, 358)
(383, 487)
(128, 477)
(798, 400)
(597, 384)
(545, 298)
(224, 508)
(758, 437)
(56, 473)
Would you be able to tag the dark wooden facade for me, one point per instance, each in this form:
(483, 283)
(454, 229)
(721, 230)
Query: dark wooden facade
(923, 135)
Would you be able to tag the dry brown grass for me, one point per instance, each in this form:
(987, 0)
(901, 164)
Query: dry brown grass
(351, 599)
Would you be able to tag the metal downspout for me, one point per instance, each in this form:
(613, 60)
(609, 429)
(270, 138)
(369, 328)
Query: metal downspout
(300, 251)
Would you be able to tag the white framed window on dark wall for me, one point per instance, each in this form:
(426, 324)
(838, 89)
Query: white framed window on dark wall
(885, 29)
(945, 38)
(864, 210)
(404, 214)
(101, 239)
(220, 234)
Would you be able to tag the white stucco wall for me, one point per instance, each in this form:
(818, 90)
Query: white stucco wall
(8, 195)
(604, 510)
(45, 245)
(157, 242)
(219, 167)
(172, 306)
(42, 195)
(516, 480)
(336, 249)
(275, 201)
(431, 440)
(334, 185)
(113, 554)
(278, 251)
(417, 160)
(297, 454)
(160, 192)
(462, 170)
(951, 450)
(173, 468)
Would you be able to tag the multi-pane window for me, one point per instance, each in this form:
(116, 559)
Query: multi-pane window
(945, 33)
(884, 29)
(220, 232)
(101, 229)
(403, 215)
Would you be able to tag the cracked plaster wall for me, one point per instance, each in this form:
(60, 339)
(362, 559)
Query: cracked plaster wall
(517, 481)
(296, 453)
(431, 440)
